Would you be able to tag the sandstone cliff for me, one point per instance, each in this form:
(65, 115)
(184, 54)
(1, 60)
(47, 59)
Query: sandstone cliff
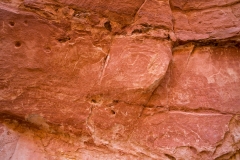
(120, 79)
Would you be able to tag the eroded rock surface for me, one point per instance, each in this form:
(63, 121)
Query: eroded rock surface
(132, 79)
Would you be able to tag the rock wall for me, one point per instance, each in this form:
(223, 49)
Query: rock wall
(123, 79)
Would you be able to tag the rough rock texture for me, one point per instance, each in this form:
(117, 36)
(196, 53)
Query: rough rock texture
(123, 79)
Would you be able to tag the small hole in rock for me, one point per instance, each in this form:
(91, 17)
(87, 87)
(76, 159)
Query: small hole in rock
(137, 31)
(63, 39)
(93, 101)
(108, 26)
(18, 44)
(146, 25)
(168, 37)
(47, 49)
(115, 101)
(11, 23)
(170, 157)
(113, 112)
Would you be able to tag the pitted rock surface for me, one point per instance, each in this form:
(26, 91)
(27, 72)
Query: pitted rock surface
(123, 79)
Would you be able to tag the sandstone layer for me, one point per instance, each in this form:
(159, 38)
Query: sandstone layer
(123, 79)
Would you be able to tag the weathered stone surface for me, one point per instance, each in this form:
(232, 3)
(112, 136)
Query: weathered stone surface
(42, 146)
(121, 11)
(168, 131)
(134, 67)
(150, 24)
(132, 79)
(51, 77)
(147, 14)
(212, 23)
(204, 4)
(122, 118)
(201, 78)
(8, 142)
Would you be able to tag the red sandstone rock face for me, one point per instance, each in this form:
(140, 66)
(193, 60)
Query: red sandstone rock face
(152, 79)
(195, 20)
(202, 78)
